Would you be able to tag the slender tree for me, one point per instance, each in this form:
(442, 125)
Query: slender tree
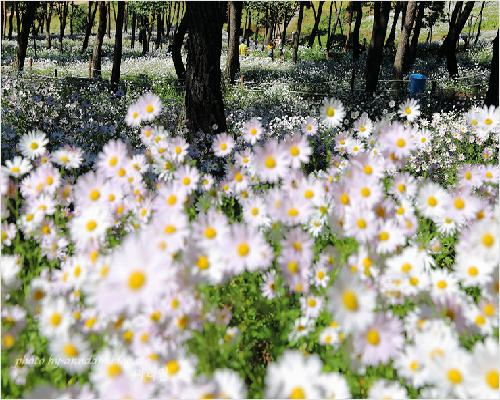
(101, 31)
(403, 41)
(48, 18)
(492, 94)
(457, 22)
(62, 11)
(3, 16)
(412, 51)
(117, 52)
(349, 13)
(90, 23)
(357, 7)
(23, 31)
(479, 23)
(177, 48)
(296, 37)
(376, 49)
(317, 19)
(392, 34)
(204, 103)
(11, 17)
(331, 38)
(109, 18)
(233, 57)
(134, 24)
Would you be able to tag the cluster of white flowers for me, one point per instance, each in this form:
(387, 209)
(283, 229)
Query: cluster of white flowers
(140, 292)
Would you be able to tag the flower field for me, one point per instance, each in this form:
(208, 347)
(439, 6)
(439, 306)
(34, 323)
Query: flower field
(278, 280)
(327, 244)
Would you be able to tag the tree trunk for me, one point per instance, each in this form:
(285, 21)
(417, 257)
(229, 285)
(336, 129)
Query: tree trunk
(204, 103)
(349, 23)
(330, 22)
(134, 23)
(109, 19)
(334, 30)
(376, 50)
(314, 31)
(71, 19)
(18, 18)
(177, 48)
(355, 33)
(143, 35)
(11, 17)
(63, 13)
(412, 52)
(48, 18)
(23, 33)
(249, 28)
(233, 56)
(392, 34)
(403, 41)
(492, 94)
(90, 23)
(449, 46)
(479, 23)
(296, 37)
(159, 28)
(101, 31)
(117, 52)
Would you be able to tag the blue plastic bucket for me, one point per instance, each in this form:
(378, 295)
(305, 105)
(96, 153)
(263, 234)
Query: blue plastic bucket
(417, 84)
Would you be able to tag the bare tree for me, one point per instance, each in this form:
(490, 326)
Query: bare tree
(403, 41)
(204, 103)
(233, 57)
(457, 22)
(101, 31)
(117, 52)
(412, 51)
(23, 31)
(177, 47)
(492, 94)
(317, 19)
(392, 34)
(334, 30)
(62, 11)
(296, 36)
(479, 23)
(376, 49)
(48, 17)
(357, 8)
(90, 23)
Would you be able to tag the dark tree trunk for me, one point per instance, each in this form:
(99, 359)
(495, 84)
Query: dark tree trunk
(412, 51)
(71, 19)
(117, 52)
(314, 31)
(204, 103)
(177, 48)
(376, 50)
(23, 33)
(355, 33)
(169, 21)
(249, 27)
(125, 18)
(403, 41)
(492, 94)
(109, 19)
(63, 13)
(233, 56)
(159, 28)
(404, 6)
(329, 44)
(90, 23)
(18, 18)
(143, 35)
(449, 46)
(101, 31)
(349, 23)
(48, 18)
(392, 34)
(330, 22)
(11, 17)
(134, 23)
(479, 23)
(296, 36)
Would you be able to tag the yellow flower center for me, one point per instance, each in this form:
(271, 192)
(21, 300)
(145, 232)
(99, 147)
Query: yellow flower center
(253, 131)
(94, 195)
(407, 110)
(350, 300)
(365, 192)
(454, 376)
(243, 249)
(383, 236)
(136, 280)
(114, 370)
(55, 319)
(344, 199)
(294, 151)
(401, 142)
(330, 112)
(361, 223)
(70, 350)
(308, 194)
(311, 302)
(270, 162)
(172, 367)
(459, 203)
(441, 284)
(254, 211)
(186, 180)
(202, 262)
(113, 161)
(368, 169)
(492, 379)
(488, 240)
(210, 232)
(91, 225)
(488, 121)
(149, 108)
(297, 393)
(373, 337)
(223, 146)
(432, 201)
(34, 145)
(472, 270)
